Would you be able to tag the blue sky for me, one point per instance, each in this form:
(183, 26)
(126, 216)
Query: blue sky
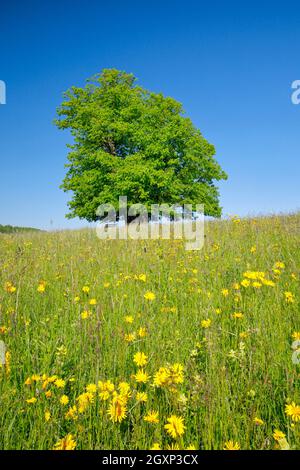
(231, 64)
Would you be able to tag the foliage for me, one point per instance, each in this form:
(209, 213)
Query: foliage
(135, 143)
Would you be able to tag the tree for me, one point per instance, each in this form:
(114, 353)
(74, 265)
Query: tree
(135, 143)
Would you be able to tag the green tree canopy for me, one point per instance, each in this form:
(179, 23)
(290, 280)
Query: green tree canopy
(135, 143)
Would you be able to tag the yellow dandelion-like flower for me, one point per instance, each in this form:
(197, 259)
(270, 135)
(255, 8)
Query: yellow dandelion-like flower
(66, 443)
(91, 388)
(149, 296)
(130, 337)
(206, 323)
(129, 319)
(84, 400)
(142, 397)
(47, 416)
(10, 288)
(225, 292)
(230, 445)
(60, 383)
(289, 297)
(293, 411)
(105, 389)
(175, 426)
(72, 413)
(141, 376)
(31, 401)
(117, 409)
(156, 446)
(93, 302)
(258, 421)
(151, 417)
(278, 435)
(296, 335)
(238, 315)
(41, 287)
(140, 359)
(245, 283)
(85, 314)
(85, 289)
(142, 332)
(64, 400)
(256, 284)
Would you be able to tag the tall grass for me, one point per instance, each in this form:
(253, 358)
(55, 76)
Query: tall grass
(236, 367)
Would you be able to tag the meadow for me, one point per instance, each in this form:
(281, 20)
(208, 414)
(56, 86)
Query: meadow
(144, 345)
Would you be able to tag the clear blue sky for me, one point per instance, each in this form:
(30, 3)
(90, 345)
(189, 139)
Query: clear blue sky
(231, 64)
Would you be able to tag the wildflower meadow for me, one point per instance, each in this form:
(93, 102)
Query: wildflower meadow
(141, 344)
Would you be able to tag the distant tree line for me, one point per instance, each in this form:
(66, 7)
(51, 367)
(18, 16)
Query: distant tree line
(12, 229)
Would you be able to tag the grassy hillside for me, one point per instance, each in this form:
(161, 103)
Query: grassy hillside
(216, 328)
(13, 229)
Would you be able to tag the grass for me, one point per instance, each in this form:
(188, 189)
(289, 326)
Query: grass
(236, 368)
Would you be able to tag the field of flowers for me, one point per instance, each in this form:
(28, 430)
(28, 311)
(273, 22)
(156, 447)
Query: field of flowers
(144, 345)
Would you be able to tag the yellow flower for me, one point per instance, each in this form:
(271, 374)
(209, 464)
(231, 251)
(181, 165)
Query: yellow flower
(117, 409)
(64, 400)
(169, 376)
(47, 415)
(142, 396)
(140, 359)
(237, 315)
(191, 447)
(141, 376)
(130, 337)
(84, 400)
(66, 443)
(142, 332)
(293, 411)
(85, 289)
(149, 296)
(279, 265)
(41, 287)
(10, 288)
(106, 388)
(296, 335)
(258, 421)
(151, 417)
(91, 388)
(72, 413)
(124, 389)
(245, 283)
(277, 435)
(31, 401)
(48, 394)
(175, 427)
(85, 314)
(230, 445)
(156, 446)
(142, 277)
(206, 323)
(129, 319)
(289, 297)
(93, 302)
(225, 292)
(256, 284)
(60, 383)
